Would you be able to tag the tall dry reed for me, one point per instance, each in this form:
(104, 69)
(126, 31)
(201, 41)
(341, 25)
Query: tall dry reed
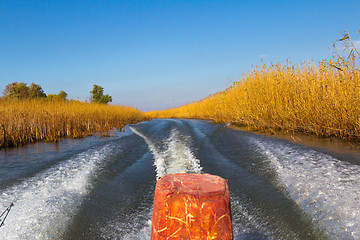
(31, 120)
(321, 99)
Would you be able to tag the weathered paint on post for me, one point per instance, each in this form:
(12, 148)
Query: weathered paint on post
(191, 206)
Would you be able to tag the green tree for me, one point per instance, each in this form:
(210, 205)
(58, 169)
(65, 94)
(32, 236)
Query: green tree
(36, 91)
(97, 95)
(60, 96)
(8, 88)
(21, 90)
(16, 90)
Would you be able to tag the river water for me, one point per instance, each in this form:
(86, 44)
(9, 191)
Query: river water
(103, 188)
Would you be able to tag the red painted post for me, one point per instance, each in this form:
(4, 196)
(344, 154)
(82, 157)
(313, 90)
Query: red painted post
(191, 206)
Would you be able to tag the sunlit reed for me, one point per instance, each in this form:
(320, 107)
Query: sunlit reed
(322, 100)
(27, 121)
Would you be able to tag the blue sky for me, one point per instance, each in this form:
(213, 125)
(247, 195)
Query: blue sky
(154, 55)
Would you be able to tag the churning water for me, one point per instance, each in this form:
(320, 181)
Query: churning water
(103, 188)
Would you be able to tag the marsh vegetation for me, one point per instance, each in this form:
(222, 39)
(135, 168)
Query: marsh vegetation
(30, 120)
(322, 98)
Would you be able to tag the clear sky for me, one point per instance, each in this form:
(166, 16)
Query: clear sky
(154, 55)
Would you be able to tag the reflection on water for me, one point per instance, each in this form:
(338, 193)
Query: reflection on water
(340, 149)
(26, 160)
(343, 150)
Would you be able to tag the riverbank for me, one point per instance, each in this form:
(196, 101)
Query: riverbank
(32, 120)
(322, 100)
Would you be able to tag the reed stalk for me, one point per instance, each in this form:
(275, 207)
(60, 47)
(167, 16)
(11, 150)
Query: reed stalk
(322, 100)
(31, 120)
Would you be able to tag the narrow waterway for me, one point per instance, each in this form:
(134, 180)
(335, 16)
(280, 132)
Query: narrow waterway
(103, 188)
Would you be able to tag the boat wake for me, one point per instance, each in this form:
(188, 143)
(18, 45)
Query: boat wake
(278, 190)
(325, 188)
(172, 156)
(45, 204)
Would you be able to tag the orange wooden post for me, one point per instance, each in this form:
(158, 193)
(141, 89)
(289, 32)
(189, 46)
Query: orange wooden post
(191, 206)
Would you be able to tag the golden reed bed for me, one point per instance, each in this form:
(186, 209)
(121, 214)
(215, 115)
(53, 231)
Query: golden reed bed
(30, 120)
(322, 100)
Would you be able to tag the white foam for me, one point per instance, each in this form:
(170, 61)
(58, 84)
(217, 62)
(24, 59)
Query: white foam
(325, 188)
(250, 222)
(177, 156)
(45, 203)
(143, 233)
(136, 229)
